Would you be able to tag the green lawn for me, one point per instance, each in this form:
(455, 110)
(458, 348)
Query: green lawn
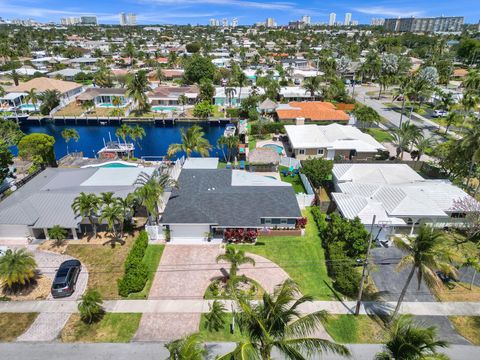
(302, 258)
(15, 324)
(468, 327)
(113, 327)
(151, 259)
(222, 335)
(355, 329)
(295, 180)
(252, 143)
(380, 135)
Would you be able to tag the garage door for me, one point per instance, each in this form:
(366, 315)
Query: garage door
(14, 231)
(188, 234)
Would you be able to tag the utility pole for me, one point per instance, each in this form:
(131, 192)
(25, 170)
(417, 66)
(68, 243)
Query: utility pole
(364, 271)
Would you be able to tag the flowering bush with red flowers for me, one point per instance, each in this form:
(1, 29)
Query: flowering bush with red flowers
(240, 235)
(301, 223)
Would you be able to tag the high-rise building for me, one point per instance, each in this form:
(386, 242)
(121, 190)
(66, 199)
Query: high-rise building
(234, 22)
(211, 22)
(377, 22)
(88, 20)
(123, 19)
(270, 23)
(132, 19)
(435, 24)
(333, 18)
(224, 22)
(70, 21)
(348, 19)
(306, 19)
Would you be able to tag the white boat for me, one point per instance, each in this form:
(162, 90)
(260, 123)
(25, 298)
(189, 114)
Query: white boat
(230, 130)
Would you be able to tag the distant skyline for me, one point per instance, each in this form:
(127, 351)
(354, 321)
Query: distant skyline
(246, 11)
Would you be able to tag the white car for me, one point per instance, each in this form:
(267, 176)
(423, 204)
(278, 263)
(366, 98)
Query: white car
(440, 113)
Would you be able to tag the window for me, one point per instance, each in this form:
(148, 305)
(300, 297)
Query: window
(283, 221)
(319, 151)
(276, 221)
(268, 221)
(301, 151)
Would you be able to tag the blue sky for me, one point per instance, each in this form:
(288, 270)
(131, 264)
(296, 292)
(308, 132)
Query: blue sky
(247, 11)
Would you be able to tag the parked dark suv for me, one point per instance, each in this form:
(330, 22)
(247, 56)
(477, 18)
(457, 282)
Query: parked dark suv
(66, 278)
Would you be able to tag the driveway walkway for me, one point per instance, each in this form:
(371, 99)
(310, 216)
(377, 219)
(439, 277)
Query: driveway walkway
(47, 326)
(185, 271)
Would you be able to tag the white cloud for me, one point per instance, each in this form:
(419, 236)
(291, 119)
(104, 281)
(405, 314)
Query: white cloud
(277, 5)
(387, 11)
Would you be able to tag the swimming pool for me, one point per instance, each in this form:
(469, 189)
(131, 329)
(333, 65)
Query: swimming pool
(27, 107)
(163, 108)
(116, 165)
(112, 164)
(277, 148)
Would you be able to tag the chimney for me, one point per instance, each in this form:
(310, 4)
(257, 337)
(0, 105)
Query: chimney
(300, 121)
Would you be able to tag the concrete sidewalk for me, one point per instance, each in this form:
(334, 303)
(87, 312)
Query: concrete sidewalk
(202, 306)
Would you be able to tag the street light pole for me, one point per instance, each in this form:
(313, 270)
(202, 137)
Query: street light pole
(364, 271)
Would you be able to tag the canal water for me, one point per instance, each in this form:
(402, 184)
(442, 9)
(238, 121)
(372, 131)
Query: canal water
(155, 143)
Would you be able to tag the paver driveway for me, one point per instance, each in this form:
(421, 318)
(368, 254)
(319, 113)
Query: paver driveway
(47, 326)
(185, 271)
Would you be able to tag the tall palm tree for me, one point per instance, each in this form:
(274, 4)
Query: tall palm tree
(422, 144)
(229, 94)
(130, 52)
(188, 348)
(117, 102)
(409, 341)
(403, 91)
(276, 322)
(123, 132)
(70, 134)
(183, 100)
(192, 141)
(229, 142)
(17, 267)
(32, 97)
(312, 85)
(426, 254)
(50, 100)
(137, 133)
(106, 198)
(150, 193)
(235, 258)
(404, 136)
(452, 118)
(471, 144)
(137, 88)
(241, 81)
(15, 76)
(87, 105)
(127, 206)
(87, 206)
(113, 216)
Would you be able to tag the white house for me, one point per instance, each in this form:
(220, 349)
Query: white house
(331, 141)
(397, 195)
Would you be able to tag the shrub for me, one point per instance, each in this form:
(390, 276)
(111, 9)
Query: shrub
(266, 128)
(233, 113)
(136, 272)
(342, 269)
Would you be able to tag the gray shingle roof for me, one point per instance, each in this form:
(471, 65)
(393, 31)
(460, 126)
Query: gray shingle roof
(208, 197)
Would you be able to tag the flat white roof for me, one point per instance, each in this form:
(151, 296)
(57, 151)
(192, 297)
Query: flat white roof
(244, 178)
(201, 163)
(333, 136)
(117, 176)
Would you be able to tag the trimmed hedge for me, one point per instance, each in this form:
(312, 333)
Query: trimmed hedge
(266, 128)
(340, 267)
(136, 272)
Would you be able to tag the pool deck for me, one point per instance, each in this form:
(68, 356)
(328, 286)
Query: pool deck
(261, 143)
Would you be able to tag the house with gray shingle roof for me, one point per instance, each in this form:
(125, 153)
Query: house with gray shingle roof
(210, 201)
(46, 200)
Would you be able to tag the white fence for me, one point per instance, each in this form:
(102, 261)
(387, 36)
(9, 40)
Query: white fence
(306, 184)
(305, 200)
(288, 162)
(155, 233)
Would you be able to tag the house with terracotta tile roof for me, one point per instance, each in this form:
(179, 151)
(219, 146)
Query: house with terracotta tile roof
(67, 89)
(318, 112)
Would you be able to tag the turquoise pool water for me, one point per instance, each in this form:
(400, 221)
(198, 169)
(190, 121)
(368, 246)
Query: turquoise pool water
(163, 108)
(277, 148)
(116, 165)
(27, 107)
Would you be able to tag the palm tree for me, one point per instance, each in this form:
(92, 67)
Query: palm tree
(192, 141)
(426, 254)
(183, 100)
(188, 348)
(215, 318)
(117, 102)
(58, 234)
(312, 85)
(235, 258)
(137, 133)
(32, 97)
(277, 322)
(159, 75)
(404, 136)
(150, 193)
(452, 118)
(241, 81)
(472, 80)
(14, 76)
(50, 100)
(17, 267)
(87, 206)
(123, 132)
(409, 341)
(87, 105)
(90, 306)
(137, 88)
(127, 206)
(113, 215)
(69, 134)
(130, 52)
(106, 198)
(422, 144)
(229, 94)
(229, 142)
